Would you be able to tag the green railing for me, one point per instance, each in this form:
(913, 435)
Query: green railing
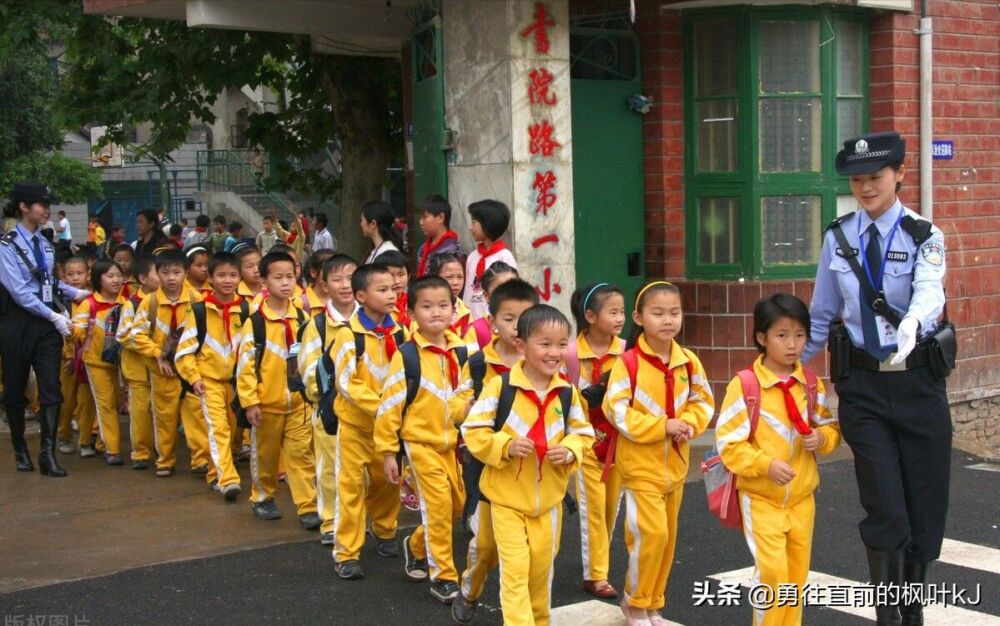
(230, 170)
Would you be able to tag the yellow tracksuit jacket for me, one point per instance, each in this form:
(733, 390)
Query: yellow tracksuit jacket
(525, 505)
(271, 393)
(429, 433)
(136, 376)
(103, 377)
(311, 302)
(653, 467)
(778, 520)
(461, 325)
(77, 399)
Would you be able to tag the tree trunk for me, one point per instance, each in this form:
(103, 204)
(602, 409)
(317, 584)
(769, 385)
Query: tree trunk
(361, 113)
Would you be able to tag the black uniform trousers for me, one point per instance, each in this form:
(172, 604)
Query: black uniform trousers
(29, 342)
(898, 425)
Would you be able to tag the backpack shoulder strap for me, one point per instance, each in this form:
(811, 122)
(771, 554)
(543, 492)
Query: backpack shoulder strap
(631, 360)
(566, 401)
(505, 402)
(477, 369)
(200, 321)
(751, 396)
(320, 321)
(399, 336)
(359, 346)
(812, 393)
(411, 370)
(462, 355)
(573, 362)
(259, 339)
(244, 310)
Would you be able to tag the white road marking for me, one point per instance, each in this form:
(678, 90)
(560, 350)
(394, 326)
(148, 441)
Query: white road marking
(591, 613)
(970, 555)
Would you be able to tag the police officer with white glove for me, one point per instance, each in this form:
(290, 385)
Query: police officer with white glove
(32, 327)
(879, 298)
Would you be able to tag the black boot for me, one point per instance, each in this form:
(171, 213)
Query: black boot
(15, 418)
(886, 569)
(915, 574)
(48, 418)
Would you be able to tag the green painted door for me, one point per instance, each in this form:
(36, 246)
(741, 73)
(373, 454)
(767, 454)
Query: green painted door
(607, 159)
(430, 169)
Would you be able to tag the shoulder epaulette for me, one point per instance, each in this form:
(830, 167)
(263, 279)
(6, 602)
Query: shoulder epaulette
(8, 239)
(917, 228)
(843, 219)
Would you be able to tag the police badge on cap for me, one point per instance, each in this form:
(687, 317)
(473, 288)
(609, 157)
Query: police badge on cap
(870, 153)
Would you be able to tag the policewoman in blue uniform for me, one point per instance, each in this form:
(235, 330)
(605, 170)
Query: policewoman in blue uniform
(879, 300)
(32, 327)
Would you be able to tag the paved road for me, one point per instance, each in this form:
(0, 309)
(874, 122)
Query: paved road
(293, 581)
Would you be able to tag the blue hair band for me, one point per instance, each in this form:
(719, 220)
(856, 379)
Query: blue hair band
(586, 299)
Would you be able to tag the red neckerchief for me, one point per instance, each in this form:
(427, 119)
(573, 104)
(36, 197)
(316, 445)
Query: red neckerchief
(225, 308)
(462, 324)
(390, 341)
(668, 379)
(289, 334)
(484, 252)
(598, 368)
(430, 247)
(449, 356)
(402, 317)
(173, 314)
(199, 229)
(793, 411)
(537, 431)
(126, 292)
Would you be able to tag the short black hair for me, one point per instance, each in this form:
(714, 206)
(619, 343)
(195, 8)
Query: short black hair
(122, 247)
(496, 269)
(362, 276)
(316, 261)
(86, 252)
(268, 218)
(175, 230)
(271, 258)
(202, 221)
(322, 219)
(220, 259)
(246, 251)
(219, 219)
(235, 227)
(492, 215)
(282, 247)
(336, 262)
(149, 215)
(169, 258)
(99, 269)
(516, 289)
(537, 317)
(74, 259)
(590, 298)
(392, 258)
(192, 252)
(768, 311)
(423, 284)
(440, 260)
(436, 204)
(142, 264)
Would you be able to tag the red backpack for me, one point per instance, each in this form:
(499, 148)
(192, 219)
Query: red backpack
(720, 483)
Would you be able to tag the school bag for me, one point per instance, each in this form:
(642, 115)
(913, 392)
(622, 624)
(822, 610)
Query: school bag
(594, 394)
(720, 483)
(201, 330)
(484, 335)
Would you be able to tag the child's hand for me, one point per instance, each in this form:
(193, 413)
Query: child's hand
(253, 415)
(560, 455)
(198, 388)
(814, 440)
(520, 447)
(391, 468)
(780, 472)
(680, 430)
(166, 367)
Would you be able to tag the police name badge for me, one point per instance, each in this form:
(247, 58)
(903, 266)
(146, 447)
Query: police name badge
(47, 294)
(886, 332)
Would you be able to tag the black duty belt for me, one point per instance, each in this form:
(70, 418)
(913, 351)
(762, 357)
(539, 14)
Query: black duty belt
(862, 360)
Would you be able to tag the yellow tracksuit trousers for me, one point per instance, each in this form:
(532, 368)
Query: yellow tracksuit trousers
(325, 452)
(598, 502)
(527, 547)
(86, 415)
(76, 401)
(482, 555)
(651, 538)
(140, 419)
(166, 393)
(103, 384)
(219, 422)
(288, 436)
(780, 541)
(361, 485)
(442, 496)
(195, 431)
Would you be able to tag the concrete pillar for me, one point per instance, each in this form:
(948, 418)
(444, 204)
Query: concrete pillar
(514, 141)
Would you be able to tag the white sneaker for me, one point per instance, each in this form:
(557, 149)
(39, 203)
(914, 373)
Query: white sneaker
(86, 452)
(74, 426)
(67, 447)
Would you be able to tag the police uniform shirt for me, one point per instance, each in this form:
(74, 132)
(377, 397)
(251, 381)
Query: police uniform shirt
(19, 279)
(913, 279)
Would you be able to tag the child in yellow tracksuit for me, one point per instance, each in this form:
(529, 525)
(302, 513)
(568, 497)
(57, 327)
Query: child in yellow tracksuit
(361, 483)
(195, 429)
(529, 461)
(207, 364)
(196, 267)
(89, 330)
(313, 299)
(427, 426)
(77, 399)
(397, 262)
(452, 269)
(670, 404)
(335, 274)
(599, 310)
(250, 282)
(277, 413)
(133, 367)
(776, 469)
(507, 302)
(153, 331)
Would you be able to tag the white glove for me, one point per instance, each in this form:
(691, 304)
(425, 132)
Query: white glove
(83, 295)
(62, 325)
(906, 339)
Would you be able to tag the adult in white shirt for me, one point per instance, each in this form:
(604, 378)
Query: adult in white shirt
(323, 239)
(378, 224)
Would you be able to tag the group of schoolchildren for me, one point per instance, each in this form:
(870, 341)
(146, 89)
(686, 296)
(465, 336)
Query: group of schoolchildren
(456, 389)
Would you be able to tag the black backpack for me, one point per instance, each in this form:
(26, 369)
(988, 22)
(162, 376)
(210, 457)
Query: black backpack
(259, 326)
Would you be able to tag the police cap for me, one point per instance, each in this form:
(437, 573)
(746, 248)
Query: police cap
(32, 192)
(870, 153)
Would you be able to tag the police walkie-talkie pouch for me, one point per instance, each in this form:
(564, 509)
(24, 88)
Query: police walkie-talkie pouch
(839, 345)
(942, 348)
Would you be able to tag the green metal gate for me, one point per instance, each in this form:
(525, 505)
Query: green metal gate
(430, 169)
(607, 158)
